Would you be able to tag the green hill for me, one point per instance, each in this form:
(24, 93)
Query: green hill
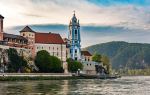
(123, 54)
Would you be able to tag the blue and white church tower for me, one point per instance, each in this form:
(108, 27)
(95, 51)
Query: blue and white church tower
(74, 38)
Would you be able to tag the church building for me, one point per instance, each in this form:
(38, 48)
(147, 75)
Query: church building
(34, 41)
(74, 38)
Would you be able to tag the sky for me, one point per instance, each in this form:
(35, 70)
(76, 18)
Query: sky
(101, 20)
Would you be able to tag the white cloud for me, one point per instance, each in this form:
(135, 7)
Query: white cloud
(18, 12)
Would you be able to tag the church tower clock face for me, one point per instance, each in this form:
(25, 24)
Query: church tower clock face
(74, 38)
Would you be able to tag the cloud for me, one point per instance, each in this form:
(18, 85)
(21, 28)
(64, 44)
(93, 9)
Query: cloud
(50, 11)
(60, 11)
(91, 35)
(120, 2)
(101, 20)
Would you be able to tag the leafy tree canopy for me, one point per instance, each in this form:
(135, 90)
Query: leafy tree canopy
(96, 57)
(73, 65)
(106, 62)
(17, 63)
(47, 63)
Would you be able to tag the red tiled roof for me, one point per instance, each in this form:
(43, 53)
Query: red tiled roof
(86, 53)
(48, 38)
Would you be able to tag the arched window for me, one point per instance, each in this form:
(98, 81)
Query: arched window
(75, 32)
(75, 51)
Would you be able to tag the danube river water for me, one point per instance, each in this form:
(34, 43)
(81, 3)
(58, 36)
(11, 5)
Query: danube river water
(133, 85)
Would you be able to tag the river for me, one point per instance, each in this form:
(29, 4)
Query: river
(133, 85)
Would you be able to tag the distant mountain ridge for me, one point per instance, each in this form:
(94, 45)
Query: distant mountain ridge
(123, 54)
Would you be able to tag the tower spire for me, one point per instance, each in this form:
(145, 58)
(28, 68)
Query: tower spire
(74, 38)
(74, 12)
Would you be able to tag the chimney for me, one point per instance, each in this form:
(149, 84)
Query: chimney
(1, 27)
(1, 23)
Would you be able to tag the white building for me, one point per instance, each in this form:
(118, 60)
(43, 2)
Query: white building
(88, 66)
(51, 42)
(32, 41)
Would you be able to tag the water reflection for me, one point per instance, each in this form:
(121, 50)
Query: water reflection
(123, 86)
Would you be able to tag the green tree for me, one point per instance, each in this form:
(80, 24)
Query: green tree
(16, 62)
(96, 57)
(42, 61)
(106, 62)
(56, 65)
(47, 63)
(73, 65)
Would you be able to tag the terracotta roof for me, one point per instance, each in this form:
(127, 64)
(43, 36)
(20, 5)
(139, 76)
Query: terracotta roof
(27, 29)
(86, 53)
(48, 38)
(12, 36)
(1, 16)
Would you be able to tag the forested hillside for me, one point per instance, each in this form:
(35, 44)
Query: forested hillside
(123, 54)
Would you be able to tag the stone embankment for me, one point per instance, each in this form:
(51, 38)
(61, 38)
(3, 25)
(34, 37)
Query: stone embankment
(34, 76)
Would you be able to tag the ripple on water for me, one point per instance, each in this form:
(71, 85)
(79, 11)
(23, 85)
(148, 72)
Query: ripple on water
(133, 85)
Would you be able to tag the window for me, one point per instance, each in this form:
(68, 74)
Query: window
(75, 58)
(75, 32)
(75, 51)
(23, 34)
(49, 48)
(70, 50)
(76, 42)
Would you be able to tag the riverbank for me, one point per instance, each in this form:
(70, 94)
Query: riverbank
(24, 78)
(38, 76)
(46, 76)
(34, 76)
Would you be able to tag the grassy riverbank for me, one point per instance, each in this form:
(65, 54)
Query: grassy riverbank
(34, 76)
(24, 78)
(47, 76)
